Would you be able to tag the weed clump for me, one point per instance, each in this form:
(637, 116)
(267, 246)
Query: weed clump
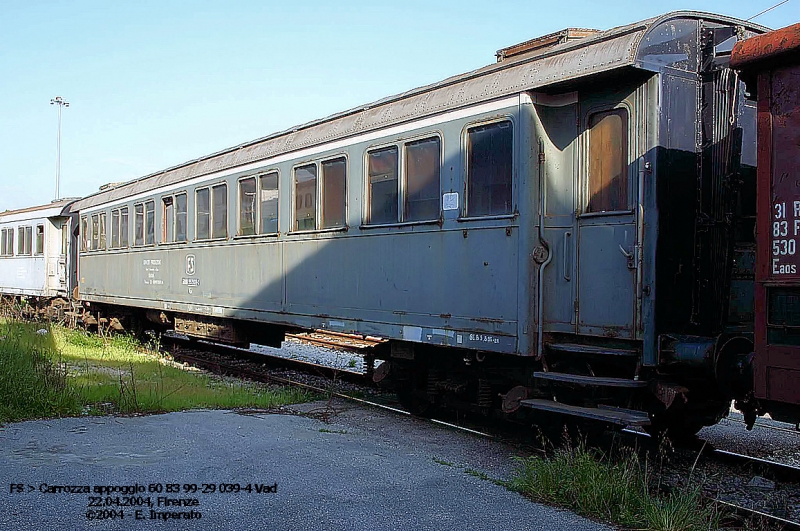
(619, 490)
(33, 383)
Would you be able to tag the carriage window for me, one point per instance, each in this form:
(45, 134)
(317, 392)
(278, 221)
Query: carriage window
(180, 217)
(382, 170)
(489, 169)
(219, 206)
(334, 176)
(150, 222)
(84, 233)
(173, 225)
(168, 219)
(269, 203)
(202, 201)
(7, 242)
(95, 231)
(247, 206)
(102, 230)
(123, 227)
(65, 238)
(39, 239)
(24, 236)
(138, 224)
(305, 186)
(422, 180)
(608, 167)
(115, 228)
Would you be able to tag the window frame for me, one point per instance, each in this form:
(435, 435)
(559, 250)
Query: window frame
(464, 214)
(38, 248)
(403, 213)
(24, 241)
(319, 195)
(84, 233)
(585, 158)
(210, 187)
(94, 231)
(256, 206)
(145, 224)
(260, 231)
(123, 236)
(7, 244)
(150, 228)
(102, 238)
(115, 229)
(173, 196)
(402, 181)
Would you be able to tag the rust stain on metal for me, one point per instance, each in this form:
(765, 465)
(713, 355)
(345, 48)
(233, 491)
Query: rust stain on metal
(767, 46)
(488, 320)
(667, 393)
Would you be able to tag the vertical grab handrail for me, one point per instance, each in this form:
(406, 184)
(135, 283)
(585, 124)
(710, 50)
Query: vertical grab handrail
(543, 243)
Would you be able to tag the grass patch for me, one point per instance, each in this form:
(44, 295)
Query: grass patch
(620, 491)
(70, 372)
(33, 384)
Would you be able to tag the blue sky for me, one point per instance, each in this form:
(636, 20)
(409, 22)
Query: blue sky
(152, 84)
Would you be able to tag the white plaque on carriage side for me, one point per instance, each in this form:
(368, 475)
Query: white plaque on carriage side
(450, 201)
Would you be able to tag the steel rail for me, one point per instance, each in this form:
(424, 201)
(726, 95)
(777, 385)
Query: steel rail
(233, 370)
(279, 361)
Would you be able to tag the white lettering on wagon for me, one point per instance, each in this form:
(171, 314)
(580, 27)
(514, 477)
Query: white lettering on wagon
(484, 338)
(151, 269)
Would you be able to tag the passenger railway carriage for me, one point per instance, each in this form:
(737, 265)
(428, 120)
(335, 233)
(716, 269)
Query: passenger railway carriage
(35, 254)
(570, 229)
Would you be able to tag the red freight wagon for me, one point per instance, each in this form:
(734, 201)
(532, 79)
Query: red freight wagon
(770, 64)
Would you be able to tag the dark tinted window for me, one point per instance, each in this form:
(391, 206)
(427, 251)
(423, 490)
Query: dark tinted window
(150, 222)
(382, 181)
(422, 180)
(180, 217)
(202, 200)
(489, 169)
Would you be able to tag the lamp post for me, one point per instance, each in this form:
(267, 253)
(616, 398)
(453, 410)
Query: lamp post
(58, 100)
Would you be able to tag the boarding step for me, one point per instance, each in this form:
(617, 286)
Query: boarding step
(594, 381)
(612, 415)
(575, 348)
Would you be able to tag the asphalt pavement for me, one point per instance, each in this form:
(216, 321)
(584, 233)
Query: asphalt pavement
(359, 469)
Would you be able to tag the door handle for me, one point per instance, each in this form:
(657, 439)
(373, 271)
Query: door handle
(566, 254)
(629, 257)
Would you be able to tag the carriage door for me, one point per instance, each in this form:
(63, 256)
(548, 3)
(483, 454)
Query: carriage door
(62, 256)
(606, 228)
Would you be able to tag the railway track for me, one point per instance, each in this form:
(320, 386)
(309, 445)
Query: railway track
(248, 371)
(243, 363)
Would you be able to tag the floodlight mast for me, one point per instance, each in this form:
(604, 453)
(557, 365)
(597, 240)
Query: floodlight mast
(60, 102)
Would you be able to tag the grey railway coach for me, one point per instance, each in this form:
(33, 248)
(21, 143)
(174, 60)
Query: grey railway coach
(570, 222)
(35, 252)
